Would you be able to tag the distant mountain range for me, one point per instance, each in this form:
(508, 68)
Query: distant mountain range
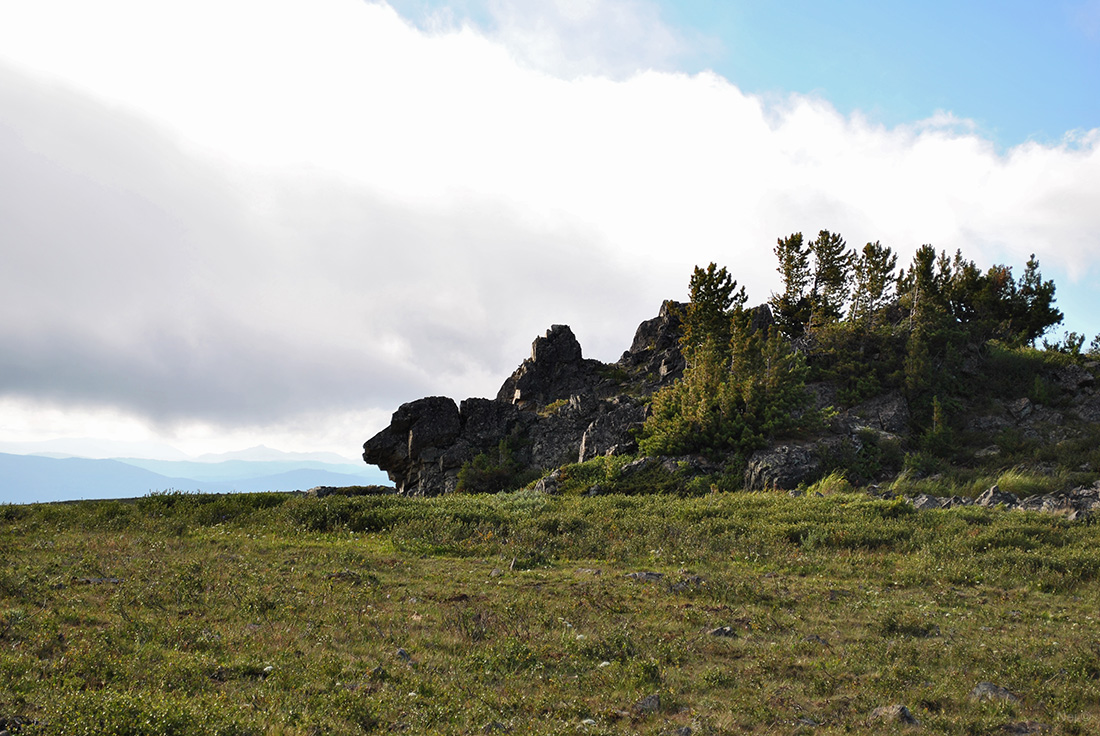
(39, 478)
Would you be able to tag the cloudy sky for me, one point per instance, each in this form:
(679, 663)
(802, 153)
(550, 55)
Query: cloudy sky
(233, 222)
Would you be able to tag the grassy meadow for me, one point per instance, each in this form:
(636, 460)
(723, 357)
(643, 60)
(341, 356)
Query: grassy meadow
(517, 613)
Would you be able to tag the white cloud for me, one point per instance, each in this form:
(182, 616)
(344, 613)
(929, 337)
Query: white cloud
(291, 215)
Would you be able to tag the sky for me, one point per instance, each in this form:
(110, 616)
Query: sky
(239, 222)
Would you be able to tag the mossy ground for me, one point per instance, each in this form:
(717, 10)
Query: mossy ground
(163, 616)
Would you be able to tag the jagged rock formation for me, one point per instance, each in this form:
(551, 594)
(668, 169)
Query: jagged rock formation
(557, 407)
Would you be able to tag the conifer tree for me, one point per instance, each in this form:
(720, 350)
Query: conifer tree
(920, 289)
(791, 308)
(1035, 312)
(714, 299)
(832, 264)
(873, 272)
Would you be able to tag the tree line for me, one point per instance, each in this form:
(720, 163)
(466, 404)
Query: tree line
(842, 315)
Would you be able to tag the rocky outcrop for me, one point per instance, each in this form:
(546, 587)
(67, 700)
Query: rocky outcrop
(655, 351)
(557, 407)
(554, 372)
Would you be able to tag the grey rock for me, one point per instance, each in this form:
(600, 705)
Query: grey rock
(556, 408)
(1021, 408)
(655, 351)
(987, 423)
(646, 576)
(887, 413)
(782, 467)
(894, 714)
(549, 483)
(611, 432)
(996, 497)
(925, 501)
(1088, 408)
(555, 371)
(992, 692)
(1074, 378)
(648, 704)
(416, 429)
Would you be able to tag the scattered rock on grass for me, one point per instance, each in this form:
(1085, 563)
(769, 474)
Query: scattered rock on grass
(996, 497)
(925, 501)
(990, 691)
(894, 714)
(648, 704)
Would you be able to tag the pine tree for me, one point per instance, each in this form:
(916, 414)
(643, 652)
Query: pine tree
(920, 290)
(832, 264)
(1035, 312)
(714, 298)
(873, 272)
(791, 308)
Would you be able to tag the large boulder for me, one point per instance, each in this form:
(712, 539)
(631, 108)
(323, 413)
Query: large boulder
(782, 467)
(410, 449)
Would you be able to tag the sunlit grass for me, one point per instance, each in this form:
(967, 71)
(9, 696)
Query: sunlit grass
(514, 613)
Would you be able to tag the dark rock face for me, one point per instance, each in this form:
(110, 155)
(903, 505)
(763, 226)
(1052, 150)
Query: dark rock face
(782, 467)
(555, 371)
(887, 413)
(557, 407)
(655, 351)
(610, 433)
(409, 449)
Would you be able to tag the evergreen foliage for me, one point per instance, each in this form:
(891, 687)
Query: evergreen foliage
(873, 275)
(832, 266)
(791, 308)
(924, 331)
(741, 386)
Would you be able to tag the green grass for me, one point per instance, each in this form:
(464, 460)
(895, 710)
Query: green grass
(273, 614)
